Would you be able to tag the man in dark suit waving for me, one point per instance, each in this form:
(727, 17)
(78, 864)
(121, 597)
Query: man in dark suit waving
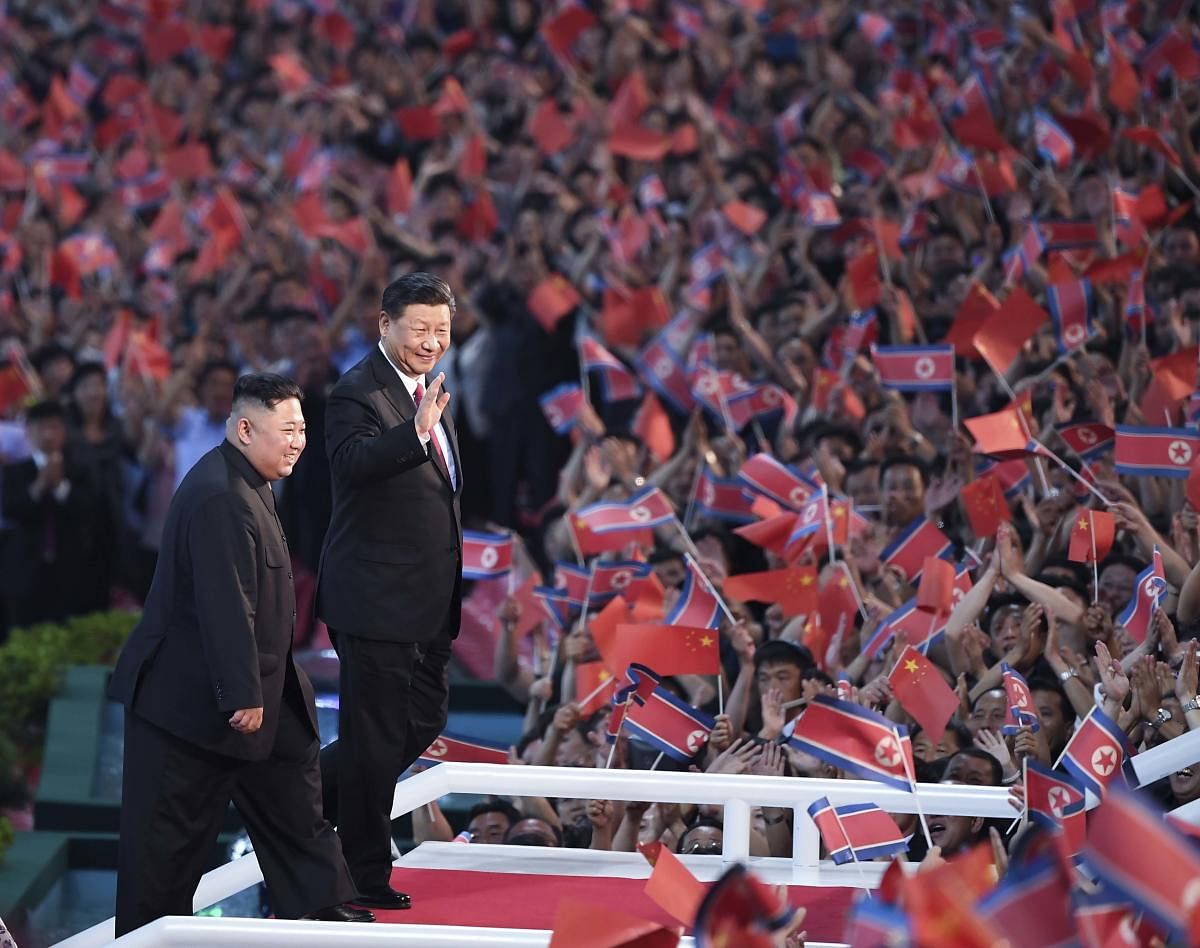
(391, 570)
(215, 708)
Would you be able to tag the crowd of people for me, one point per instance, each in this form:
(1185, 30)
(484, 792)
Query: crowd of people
(681, 237)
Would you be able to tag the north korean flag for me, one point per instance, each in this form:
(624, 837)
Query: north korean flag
(914, 368)
(1088, 439)
(1130, 848)
(705, 265)
(856, 739)
(1071, 308)
(1096, 753)
(713, 388)
(697, 607)
(1148, 596)
(760, 401)
(486, 555)
(722, 498)
(572, 582)
(1156, 452)
(1064, 234)
(613, 578)
(1056, 147)
(861, 329)
(908, 551)
(1135, 300)
(1127, 221)
(915, 626)
(819, 210)
(619, 383)
(1102, 917)
(1021, 712)
(62, 167)
(763, 474)
(149, 191)
(1053, 800)
(669, 724)
(453, 748)
(561, 406)
(871, 922)
(664, 371)
(649, 508)
(856, 832)
(651, 192)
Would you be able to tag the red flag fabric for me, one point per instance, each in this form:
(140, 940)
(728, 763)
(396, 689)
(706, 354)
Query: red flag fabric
(418, 122)
(399, 188)
(936, 590)
(984, 504)
(581, 925)
(589, 693)
(629, 102)
(464, 751)
(1003, 334)
(920, 688)
(1123, 86)
(770, 534)
(668, 649)
(562, 30)
(915, 544)
(641, 144)
(652, 426)
(976, 307)
(1148, 137)
(671, 886)
(1000, 434)
(745, 217)
(551, 300)
(188, 162)
(862, 280)
(453, 99)
(550, 128)
(292, 75)
(794, 588)
(1091, 536)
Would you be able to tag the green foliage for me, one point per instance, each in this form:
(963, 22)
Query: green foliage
(34, 660)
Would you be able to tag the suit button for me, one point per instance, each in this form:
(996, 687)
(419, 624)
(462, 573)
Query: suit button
(293, 614)
(289, 574)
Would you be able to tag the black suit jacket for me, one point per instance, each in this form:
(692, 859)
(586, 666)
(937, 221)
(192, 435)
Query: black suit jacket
(216, 633)
(391, 566)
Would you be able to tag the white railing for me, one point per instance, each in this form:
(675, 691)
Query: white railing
(737, 793)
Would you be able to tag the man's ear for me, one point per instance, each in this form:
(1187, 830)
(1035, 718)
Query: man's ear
(243, 429)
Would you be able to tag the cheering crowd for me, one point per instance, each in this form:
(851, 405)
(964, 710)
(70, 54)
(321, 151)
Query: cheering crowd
(823, 375)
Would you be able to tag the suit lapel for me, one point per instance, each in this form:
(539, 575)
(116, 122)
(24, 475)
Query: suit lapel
(397, 395)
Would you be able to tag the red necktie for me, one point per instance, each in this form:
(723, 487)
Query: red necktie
(417, 396)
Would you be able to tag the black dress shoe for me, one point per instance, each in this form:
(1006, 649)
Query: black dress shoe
(385, 898)
(342, 913)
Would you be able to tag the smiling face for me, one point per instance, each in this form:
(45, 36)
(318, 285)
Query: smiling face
(273, 438)
(417, 338)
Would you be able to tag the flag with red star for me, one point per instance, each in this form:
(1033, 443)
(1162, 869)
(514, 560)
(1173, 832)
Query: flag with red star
(1156, 452)
(855, 739)
(1097, 752)
(1091, 536)
(1055, 801)
(464, 750)
(671, 885)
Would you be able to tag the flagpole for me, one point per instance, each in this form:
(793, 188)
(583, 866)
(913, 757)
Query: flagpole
(912, 782)
(1066, 467)
(954, 401)
(587, 601)
(720, 692)
(691, 504)
(828, 525)
(575, 544)
(711, 588)
(657, 760)
(1037, 462)
(595, 691)
(853, 855)
(1095, 565)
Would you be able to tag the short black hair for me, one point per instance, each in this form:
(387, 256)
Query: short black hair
(48, 410)
(49, 352)
(215, 365)
(976, 754)
(266, 389)
(904, 460)
(495, 806)
(700, 822)
(420, 288)
(86, 369)
(784, 652)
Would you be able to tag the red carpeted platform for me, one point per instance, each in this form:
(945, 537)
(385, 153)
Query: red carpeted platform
(517, 900)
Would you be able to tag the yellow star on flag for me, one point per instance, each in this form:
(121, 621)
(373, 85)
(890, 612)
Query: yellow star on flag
(910, 665)
(706, 641)
(1082, 524)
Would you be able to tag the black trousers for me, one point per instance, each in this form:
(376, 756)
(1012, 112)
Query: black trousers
(392, 706)
(174, 797)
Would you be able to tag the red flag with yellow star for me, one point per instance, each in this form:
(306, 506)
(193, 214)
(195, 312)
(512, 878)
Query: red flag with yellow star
(671, 884)
(984, 504)
(1091, 536)
(668, 649)
(794, 589)
(593, 687)
(920, 688)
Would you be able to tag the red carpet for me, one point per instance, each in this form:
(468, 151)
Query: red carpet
(512, 900)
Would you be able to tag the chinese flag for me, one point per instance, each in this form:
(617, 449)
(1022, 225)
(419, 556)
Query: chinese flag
(418, 122)
(188, 162)
(589, 676)
(399, 188)
(794, 588)
(984, 504)
(1093, 530)
(745, 217)
(838, 609)
(668, 649)
(473, 162)
(1149, 138)
(581, 925)
(619, 321)
(292, 75)
(563, 30)
(1000, 433)
(941, 902)
(936, 591)
(920, 688)
(1005, 331)
(976, 307)
(770, 534)
(630, 101)
(652, 426)
(671, 886)
(452, 100)
(551, 300)
(603, 629)
(479, 219)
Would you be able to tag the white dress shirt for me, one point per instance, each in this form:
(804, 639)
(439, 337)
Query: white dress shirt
(410, 385)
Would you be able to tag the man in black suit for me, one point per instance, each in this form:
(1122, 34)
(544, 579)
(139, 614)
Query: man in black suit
(391, 570)
(48, 557)
(215, 707)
